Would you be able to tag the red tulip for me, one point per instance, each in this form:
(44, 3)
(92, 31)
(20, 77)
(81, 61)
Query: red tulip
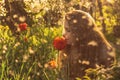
(59, 43)
(23, 26)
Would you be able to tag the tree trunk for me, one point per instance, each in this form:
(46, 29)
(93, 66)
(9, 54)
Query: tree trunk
(91, 8)
(8, 19)
(101, 14)
(16, 14)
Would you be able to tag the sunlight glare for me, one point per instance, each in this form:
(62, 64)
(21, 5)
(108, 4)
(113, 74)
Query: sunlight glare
(110, 1)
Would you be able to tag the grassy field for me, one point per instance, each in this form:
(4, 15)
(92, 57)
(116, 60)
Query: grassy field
(28, 56)
(31, 56)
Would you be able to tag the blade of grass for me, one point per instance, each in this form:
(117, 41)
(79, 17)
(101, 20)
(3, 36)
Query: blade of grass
(45, 75)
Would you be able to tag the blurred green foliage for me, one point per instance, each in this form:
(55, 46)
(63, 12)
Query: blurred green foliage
(24, 57)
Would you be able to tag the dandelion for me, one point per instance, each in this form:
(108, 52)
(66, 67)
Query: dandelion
(4, 47)
(31, 51)
(17, 44)
(59, 43)
(25, 57)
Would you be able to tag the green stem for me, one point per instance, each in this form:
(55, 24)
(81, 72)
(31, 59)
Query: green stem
(46, 75)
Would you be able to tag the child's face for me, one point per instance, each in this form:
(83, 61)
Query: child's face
(68, 34)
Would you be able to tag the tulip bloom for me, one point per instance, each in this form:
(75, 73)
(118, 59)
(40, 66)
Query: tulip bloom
(23, 26)
(59, 43)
